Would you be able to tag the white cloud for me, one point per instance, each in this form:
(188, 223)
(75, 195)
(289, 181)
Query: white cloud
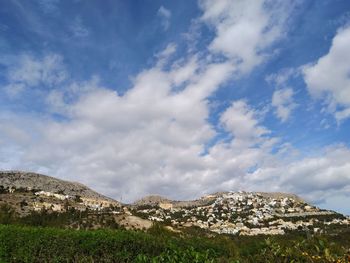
(14, 89)
(243, 123)
(165, 16)
(281, 78)
(245, 29)
(342, 114)
(282, 100)
(152, 132)
(165, 54)
(150, 140)
(283, 96)
(316, 177)
(145, 141)
(329, 77)
(12, 132)
(28, 72)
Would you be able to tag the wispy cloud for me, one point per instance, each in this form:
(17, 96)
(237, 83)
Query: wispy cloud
(78, 29)
(165, 16)
(49, 6)
(28, 72)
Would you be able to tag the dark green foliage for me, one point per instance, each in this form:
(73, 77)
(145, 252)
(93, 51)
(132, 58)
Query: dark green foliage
(7, 214)
(23, 203)
(147, 206)
(29, 244)
(20, 189)
(3, 190)
(326, 218)
(78, 199)
(37, 244)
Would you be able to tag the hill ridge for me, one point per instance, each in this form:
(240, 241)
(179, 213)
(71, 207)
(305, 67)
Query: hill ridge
(32, 180)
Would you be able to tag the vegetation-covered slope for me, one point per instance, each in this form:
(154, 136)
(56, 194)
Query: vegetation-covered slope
(34, 244)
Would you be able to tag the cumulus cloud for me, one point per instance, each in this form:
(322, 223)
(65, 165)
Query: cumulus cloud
(165, 16)
(316, 178)
(146, 140)
(329, 79)
(243, 123)
(151, 140)
(151, 133)
(245, 29)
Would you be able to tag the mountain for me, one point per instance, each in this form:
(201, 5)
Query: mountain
(28, 191)
(18, 179)
(236, 213)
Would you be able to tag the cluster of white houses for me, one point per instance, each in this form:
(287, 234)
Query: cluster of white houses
(244, 213)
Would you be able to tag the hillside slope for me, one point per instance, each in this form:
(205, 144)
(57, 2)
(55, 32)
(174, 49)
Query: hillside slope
(27, 180)
(236, 213)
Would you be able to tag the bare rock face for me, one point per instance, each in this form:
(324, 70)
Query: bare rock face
(28, 180)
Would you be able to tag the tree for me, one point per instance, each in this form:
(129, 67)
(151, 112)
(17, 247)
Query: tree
(7, 214)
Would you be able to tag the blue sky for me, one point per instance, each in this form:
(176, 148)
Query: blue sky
(179, 98)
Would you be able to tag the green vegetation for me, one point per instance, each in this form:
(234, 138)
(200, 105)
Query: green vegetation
(35, 244)
(40, 244)
(44, 237)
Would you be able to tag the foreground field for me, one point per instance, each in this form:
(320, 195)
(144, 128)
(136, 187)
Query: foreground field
(41, 244)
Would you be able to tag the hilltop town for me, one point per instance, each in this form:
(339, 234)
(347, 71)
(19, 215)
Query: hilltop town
(243, 213)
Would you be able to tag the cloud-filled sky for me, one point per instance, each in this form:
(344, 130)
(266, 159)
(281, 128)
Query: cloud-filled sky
(179, 98)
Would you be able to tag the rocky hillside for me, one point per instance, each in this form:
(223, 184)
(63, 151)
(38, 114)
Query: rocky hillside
(27, 192)
(156, 200)
(26, 180)
(237, 213)
(243, 213)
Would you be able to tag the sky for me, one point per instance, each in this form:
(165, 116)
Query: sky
(179, 98)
